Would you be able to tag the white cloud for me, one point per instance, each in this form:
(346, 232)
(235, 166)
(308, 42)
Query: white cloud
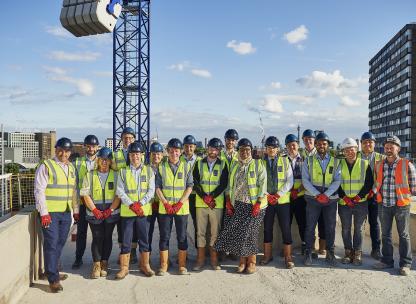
(300, 114)
(349, 102)
(65, 56)
(201, 73)
(276, 85)
(103, 73)
(297, 35)
(58, 31)
(242, 48)
(180, 66)
(272, 104)
(84, 86)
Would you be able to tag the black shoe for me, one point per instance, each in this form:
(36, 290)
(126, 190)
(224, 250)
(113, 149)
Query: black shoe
(133, 256)
(330, 258)
(303, 249)
(376, 254)
(307, 261)
(314, 255)
(77, 264)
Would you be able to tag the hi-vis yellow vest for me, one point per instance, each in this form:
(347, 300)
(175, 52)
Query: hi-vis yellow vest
(253, 171)
(353, 183)
(60, 187)
(297, 182)
(319, 178)
(132, 190)
(282, 164)
(209, 181)
(230, 163)
(81, 169)
(102, 197)
(118, 158)
(174, 185)
(197, 158)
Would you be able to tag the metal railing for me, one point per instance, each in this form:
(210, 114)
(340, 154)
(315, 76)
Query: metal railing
(5, 194)
(16, 192)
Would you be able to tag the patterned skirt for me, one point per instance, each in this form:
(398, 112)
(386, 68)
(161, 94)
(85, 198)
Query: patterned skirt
(240, 233)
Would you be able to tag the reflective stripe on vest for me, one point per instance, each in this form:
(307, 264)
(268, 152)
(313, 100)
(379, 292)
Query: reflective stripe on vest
(174, 185)
(81, 170)
(209, 181)
(234, 159)
(252, 173)
(282, 165)
(401, 182)
(60, 187)
(134, 192)
(319, 178)
(119, 159)
(353, 182)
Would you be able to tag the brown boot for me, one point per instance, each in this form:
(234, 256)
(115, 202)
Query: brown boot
(251, 264)
(268, 255)
(349, 256)
(200, 259)
(287, 249)
(214, 259)
(145, 265)
(56, 287)
(124, 266)
(357, 259)
(96, 270)
(322, 247)
(164, 257)
(104, 268)
(242, 265)
(182, 262)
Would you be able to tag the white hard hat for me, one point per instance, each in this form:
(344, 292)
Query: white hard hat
(348, 142)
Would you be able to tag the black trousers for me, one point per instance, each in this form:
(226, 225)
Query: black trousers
(102, 241)
(298, 209)
(284, 217)
(374, 224)
(192, 211)
(82, 229)
(139, 225)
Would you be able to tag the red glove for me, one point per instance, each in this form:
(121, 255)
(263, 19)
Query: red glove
(322, 198)
(155, 206)
(356, 199)
(107, 213)
(229, 207)
(294, 194)
(255, 211)
(76, 217)
(97, 213)
(45, 220)
(348, 201)
(136, 207)
(168, 208)
(370, 194)
(177, 207)
(208, 199)
(272, 199)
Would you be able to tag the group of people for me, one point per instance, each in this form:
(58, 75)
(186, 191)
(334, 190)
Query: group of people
(229, 192)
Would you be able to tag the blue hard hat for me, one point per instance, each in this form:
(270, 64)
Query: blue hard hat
(272, 141)
(291, 138)
(244, 142)
(175, 143)
(105, 152)
(308, 133)
(64, 143)
(128, 130)
(368, 135)
(322, 136)
(156, 147)
(135, 147)
(91, 140)
(189, 140)
(231, 134)
(215, 143)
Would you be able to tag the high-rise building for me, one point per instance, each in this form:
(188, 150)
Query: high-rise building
(109, 143)
(47, 143)
(25, 140)
(392, 91)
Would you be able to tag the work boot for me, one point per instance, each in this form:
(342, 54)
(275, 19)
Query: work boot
(214, 259)
(330, 258)
(96, 270)
(77, 264)
(124, 266)
(200, 259)
(348, 257)
(376, 254)
(164, 257)
(404, 271)
(133, 256)
(144, 264)
(104, 268)
(381, 265)
(251, 264)
(268, 255)
(182, 262)
(322, 247)
(242, 265)
(357, 259)
(307, 261)
(287, 250)
(56, 287)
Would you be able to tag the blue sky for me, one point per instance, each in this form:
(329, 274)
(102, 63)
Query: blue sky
(214, 65)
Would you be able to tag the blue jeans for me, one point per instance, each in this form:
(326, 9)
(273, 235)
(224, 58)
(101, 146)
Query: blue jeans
(374, 224)
(82, 229)
(165, 228)
(358, 214)
(283, 215)
(153, 218)
(54, 238)
(402, 217)
(139, 225)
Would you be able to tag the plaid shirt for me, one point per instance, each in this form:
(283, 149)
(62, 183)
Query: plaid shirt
(388, 189)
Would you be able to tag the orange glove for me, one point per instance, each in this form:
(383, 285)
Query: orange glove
(176, 207)
(322, 198)
(107, 213)
(168, 208)
(356, 199)
(348, 201)
(45, 220)
(97, 214)
(255, 211)
(136, 207)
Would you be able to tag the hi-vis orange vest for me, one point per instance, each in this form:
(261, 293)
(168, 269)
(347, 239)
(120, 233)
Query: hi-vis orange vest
(401, 182)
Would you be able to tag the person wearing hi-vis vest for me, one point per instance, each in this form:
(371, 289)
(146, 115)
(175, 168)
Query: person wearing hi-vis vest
(188, 155)
(356, 182)
(297, 199)
(83, 165)
(368, 142)
(174, 184)
(55, 196)
(99, 194)
(394, 186)
(321, 177)
(245, 206)
(210, 181)
(136, 188)
(229, 155)
(279, 183)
